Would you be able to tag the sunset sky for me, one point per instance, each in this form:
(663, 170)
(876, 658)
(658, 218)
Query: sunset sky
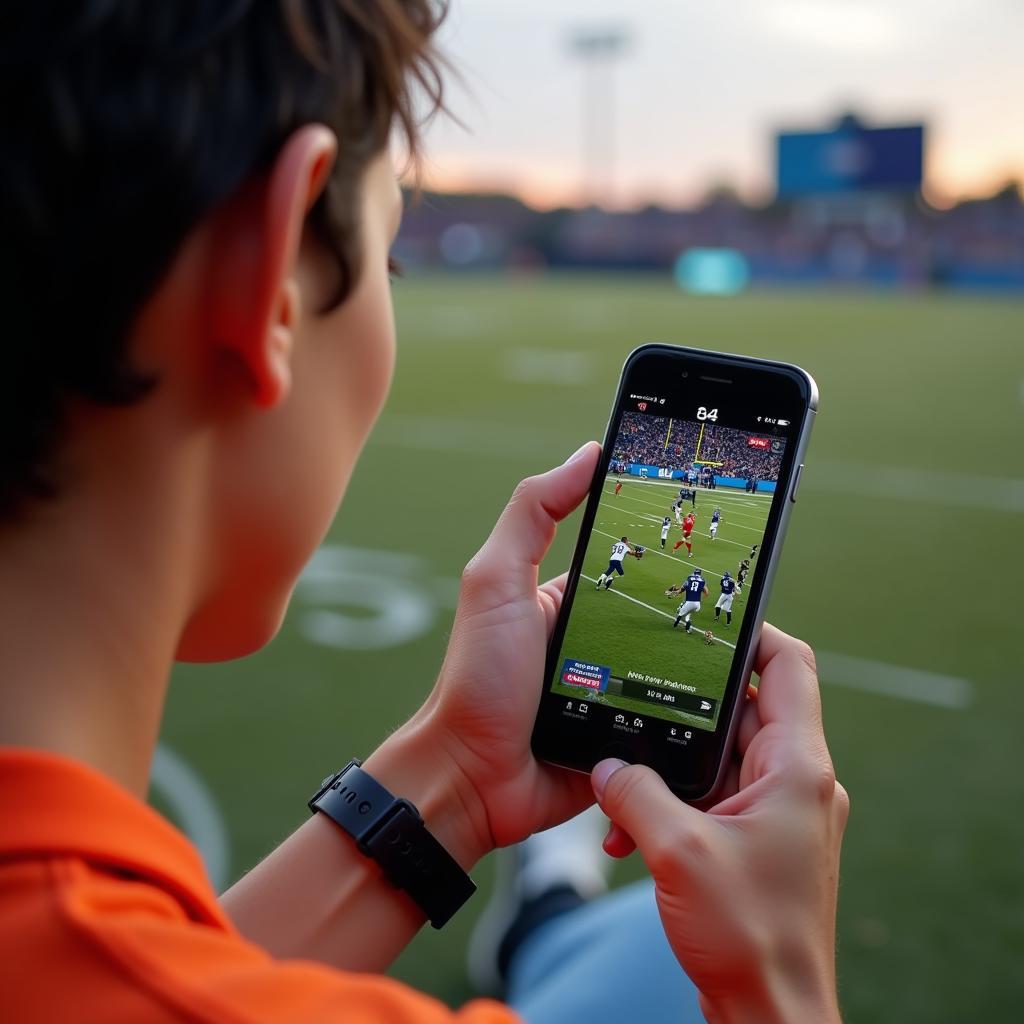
(702, 86)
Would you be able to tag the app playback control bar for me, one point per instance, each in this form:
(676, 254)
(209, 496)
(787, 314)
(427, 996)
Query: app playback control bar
(678, 700)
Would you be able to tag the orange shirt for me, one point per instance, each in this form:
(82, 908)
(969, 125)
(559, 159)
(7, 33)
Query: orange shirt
(106, 915)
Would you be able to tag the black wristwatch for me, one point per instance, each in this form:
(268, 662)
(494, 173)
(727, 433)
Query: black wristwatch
(390, 831)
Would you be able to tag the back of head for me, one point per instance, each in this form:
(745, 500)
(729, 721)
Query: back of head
(125, 123)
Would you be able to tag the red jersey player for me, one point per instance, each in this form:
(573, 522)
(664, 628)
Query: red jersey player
(618, 487)
(688, 524)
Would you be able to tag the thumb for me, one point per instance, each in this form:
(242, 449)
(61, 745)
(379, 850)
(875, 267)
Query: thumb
(520, 539)
(637, 800)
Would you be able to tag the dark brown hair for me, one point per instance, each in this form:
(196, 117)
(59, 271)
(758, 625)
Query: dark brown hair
(124, 123)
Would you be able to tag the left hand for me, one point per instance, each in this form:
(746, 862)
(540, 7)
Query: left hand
(483, 707)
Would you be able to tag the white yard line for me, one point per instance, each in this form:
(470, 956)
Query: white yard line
(656, 520)
(956, 490)
(878, 677)
(495, 440)
(725, 492)
(654, 504)
(663, 554)
(703, 536)
(546, 366)
(912, 684)
(742, 526)
(697, 631)
(196, 811)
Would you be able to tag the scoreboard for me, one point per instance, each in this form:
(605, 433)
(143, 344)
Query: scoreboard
(850, 158)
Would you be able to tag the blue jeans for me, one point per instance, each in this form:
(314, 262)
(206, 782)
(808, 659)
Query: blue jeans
(605, 963)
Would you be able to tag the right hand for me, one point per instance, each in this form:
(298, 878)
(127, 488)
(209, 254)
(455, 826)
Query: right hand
(747, 890)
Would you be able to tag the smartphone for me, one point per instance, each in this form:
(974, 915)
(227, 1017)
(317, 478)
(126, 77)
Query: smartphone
(653, 647)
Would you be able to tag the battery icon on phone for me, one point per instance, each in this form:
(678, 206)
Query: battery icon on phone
(783, 423)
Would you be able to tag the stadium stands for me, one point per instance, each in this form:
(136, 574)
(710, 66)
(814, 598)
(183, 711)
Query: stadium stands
(649, 440)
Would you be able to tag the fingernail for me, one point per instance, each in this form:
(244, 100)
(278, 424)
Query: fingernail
(577, 454)
(602, 772)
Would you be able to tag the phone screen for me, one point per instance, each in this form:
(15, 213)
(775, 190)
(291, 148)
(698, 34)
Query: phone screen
(677, 539)
(660, 602)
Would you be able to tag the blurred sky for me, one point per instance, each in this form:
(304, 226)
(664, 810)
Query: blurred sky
(704, 83)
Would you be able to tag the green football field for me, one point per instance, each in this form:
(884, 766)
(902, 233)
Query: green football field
(902, 567)
(629, 628)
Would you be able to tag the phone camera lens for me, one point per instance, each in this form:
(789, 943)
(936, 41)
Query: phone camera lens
(686, 373)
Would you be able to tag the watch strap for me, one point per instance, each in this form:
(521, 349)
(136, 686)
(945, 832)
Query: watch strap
(391, 831)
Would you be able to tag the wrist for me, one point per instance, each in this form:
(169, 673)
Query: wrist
(412, 764)
(790, 990)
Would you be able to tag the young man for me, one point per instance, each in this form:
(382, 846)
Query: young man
(618, 487)
(197, 205)
(620, 549)
(688, 524)
(725, 598)
(666, 524)
(693, 589)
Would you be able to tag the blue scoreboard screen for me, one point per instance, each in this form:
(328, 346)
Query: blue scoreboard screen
(850, 158)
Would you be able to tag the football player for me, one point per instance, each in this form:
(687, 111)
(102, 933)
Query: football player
(741, 576)
(716, 518)
(688, 524)
(620, 549)
(693, 589)
(688, 494)
(725, 598)
(665, 524)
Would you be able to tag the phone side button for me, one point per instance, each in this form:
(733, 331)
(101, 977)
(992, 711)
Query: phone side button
(796, 481)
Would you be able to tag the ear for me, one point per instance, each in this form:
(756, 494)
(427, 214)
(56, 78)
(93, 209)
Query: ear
(255, 300)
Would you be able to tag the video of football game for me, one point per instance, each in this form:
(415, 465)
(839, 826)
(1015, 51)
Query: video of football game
(667, 569)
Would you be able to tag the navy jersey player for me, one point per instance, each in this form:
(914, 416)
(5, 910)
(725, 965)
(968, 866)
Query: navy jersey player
(619, 551)
(716, 518)
(693, 589)
(725, 598)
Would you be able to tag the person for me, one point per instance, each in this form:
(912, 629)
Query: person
(716, 518)
(197, 213)
(725, 599)
(618, 487)
(666, 523)
(620, 549)
(688, 524)
(693, 589)
(741, 574)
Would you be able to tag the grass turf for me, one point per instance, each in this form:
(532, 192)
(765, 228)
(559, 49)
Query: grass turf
(637, 616)
(904, 549)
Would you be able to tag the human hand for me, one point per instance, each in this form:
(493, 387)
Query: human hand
(482, 709)
(747, 890)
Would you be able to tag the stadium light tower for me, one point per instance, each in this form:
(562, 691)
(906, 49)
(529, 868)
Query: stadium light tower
(598, 48)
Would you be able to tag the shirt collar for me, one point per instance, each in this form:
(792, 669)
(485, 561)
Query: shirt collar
(54, 806)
